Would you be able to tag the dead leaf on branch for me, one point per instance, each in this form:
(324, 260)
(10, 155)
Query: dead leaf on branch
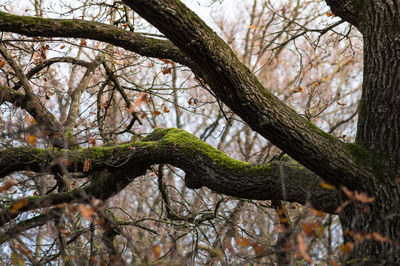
(258, 248)
(333, 263)
(312, 229)
(242, 242)
(138, 101)
(346, 248)
(329, 14)
(283, 10)
(7, 185)
(299, 89)
(166, 61)
(92, 141)
(357, 196)
(363, 197)
(19, 204)
(87, 211)
(156, 113)
(156, 250)
(326, 186)
(303, 249)
(86, 165)
(31, 139)
(166, 71)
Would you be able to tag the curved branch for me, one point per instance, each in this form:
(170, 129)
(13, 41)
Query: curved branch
(75, 28)
(234, 84)
(203, 165)
(46, 120)
(212, 60)
(49, 62)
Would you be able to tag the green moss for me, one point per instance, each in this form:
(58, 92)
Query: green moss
(320, 131)
(25, 19)
(95, 153)
(194, 146)
(359, 5)
(361, 155)
(67, 22)
(70, 137)
(371, 160)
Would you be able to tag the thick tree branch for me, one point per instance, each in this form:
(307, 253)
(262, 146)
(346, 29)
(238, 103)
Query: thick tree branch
(103, 186)
(238, 88)
(9, 95)
(348, 10)
(46, 120)
(230, 80)
(74, 28)
(203, 165)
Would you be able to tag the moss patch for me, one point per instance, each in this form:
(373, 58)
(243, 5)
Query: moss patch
(361, 155)
(194, 147)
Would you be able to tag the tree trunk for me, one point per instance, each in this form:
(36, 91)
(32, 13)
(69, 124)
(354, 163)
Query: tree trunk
(379, 118)
(378, 131)
(373, 229)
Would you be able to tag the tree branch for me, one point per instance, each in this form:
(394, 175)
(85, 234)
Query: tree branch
(74, 28)
(103, 186)
(348, 10)
(28, 224)
(77, 93)
(229, 79)
(48, 62)
(46, 120)
(203, 165)
(234, 84)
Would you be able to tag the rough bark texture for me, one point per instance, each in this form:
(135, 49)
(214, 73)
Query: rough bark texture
(371, 165)
(379, 118)
(378, 130)
(203, 165)
(238, 88)
(349, 10)
(74, 28)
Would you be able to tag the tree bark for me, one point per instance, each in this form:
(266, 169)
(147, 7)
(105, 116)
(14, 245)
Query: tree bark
(75, 28)
(115, 167)
(374, 228)
(234, 84)
(371, 165)
(379, 116)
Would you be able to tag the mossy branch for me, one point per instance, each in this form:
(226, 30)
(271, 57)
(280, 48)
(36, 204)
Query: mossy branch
(76, 28)
(210, 58)
(112, 168)
(235, 85)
